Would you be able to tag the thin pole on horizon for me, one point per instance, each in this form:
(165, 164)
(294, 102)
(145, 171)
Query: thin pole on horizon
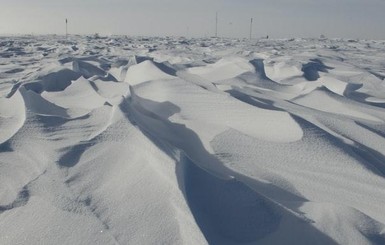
(216, 24)
(66, 29)
(251, 27)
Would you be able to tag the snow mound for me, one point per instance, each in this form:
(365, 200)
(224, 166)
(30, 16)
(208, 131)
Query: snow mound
(198, 105)
(80, 94)
(223, 69)
(12, 116)
(144, 72)
(324, 100)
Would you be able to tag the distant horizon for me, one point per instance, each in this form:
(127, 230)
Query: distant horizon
(181, 36)
(352, 19)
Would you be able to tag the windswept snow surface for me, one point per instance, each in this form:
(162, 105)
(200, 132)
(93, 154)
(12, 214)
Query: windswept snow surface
(124, 140)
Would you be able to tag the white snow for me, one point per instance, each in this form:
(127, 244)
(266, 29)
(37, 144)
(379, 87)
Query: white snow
(125, 140)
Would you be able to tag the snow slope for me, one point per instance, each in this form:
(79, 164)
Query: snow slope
(121, 140)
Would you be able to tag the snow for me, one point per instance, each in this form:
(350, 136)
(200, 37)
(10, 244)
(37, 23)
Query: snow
(143, 72)
(79, 90)
(125, 140)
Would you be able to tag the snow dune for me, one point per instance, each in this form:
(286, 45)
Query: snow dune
(191, 141)
(12, 116)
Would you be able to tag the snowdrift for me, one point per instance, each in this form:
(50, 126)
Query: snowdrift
(205, 141)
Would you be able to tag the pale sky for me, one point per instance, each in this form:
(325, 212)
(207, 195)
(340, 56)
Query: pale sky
(196, 18)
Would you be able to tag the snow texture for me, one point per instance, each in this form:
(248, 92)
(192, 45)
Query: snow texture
(123, 140)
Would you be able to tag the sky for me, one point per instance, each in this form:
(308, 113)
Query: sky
(196, 18)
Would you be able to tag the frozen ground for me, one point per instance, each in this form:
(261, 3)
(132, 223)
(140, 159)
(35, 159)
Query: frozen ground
(191, 141)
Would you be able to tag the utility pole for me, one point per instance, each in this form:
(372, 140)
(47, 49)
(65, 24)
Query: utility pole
(216, 24)
(251, 27)
(66, 30)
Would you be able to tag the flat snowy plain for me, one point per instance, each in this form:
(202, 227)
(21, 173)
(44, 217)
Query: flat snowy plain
(191, 141)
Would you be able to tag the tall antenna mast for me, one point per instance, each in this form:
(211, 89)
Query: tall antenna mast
(251, 27)
(216, 24)
(66, 30)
